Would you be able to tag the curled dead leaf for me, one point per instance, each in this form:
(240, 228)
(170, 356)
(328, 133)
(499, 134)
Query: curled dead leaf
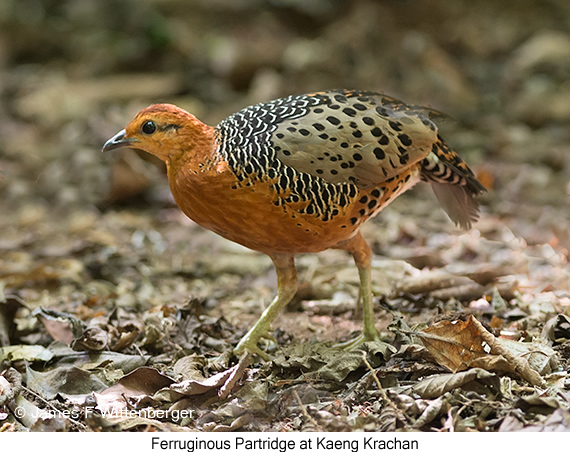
(458, 345)
(61, 326)
(94, 339)
(454, 344)
(438, 385)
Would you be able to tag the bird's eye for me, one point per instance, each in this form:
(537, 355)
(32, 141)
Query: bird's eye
(149, 127)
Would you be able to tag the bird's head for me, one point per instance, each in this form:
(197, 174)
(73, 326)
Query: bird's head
(164, 130)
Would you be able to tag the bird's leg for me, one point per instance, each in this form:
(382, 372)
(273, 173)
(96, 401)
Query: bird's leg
(286, 289)
(362, 255)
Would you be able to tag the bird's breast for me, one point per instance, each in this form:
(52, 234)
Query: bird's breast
(250, 213)
(253, 212)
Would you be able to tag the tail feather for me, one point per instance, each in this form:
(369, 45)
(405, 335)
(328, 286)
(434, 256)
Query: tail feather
(459, 204)
(453, 183)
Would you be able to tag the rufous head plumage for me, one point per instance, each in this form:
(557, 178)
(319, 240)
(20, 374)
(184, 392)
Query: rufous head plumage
(163, 130)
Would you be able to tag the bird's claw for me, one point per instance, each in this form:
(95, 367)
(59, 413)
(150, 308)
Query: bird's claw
(248, 343)
(354, 343)
(269, 337)
(251, 348)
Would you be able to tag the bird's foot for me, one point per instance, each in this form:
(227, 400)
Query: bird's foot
(246, 346)
(249, 343)
(354, 343)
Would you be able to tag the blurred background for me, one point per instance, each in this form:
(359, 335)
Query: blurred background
(73, 73)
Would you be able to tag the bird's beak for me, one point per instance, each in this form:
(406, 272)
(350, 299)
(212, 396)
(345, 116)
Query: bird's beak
(119, 141)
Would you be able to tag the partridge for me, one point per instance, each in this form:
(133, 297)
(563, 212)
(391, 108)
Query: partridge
(301, 175)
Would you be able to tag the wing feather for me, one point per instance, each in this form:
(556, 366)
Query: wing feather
(354, 137)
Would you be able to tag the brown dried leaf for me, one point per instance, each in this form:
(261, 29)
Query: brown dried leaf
(454, 344)
(158, 322)
(190, 367)
(559, 421)
(493, 363)
(235, 376)
(126, 339)
(60, 326)
(540, 356)
(496, 322)
(520, 364)
(92, 339)
(432, 410)
(557, 329)
(142, 382)
(414, 352)
(438, 385)
(196, 387)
